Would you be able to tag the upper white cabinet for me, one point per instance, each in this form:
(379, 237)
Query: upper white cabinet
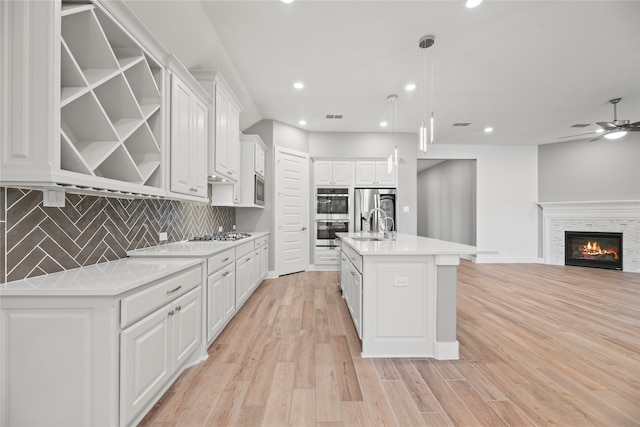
(189, 119)
(374, 173)
(224, 127)
(332, 172)
(83, 101)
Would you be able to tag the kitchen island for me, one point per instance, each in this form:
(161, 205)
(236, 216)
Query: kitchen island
(401, 293)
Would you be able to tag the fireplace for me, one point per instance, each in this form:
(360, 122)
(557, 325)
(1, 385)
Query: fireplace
(593, 249)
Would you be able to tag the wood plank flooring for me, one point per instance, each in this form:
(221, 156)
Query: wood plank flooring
(539, 345)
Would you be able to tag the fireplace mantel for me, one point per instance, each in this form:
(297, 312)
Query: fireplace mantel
(601, 215)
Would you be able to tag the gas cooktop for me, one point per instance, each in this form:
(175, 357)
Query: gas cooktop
(221, 237)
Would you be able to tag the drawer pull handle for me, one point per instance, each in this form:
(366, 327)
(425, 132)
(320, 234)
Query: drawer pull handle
(353, 274)
(171, 313)
(178, 308)
(174, 290)
(226, 259)
(249, 259)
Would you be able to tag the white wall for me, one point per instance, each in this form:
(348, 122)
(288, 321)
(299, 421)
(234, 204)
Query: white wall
(507, 192)
(590, 171)
(446, 201)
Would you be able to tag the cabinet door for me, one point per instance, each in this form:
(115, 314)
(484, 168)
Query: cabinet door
(198, 146)
(341, 173)
(365, 173)
(145, 362)
(356, 300)
(259, 160)
(215, 304)
(257, 268)
(230, 292)
(264, 262)
(222, 156)
(233, 134)
(383, 177)
(244, 279)
(180, 137)
(344, 272)
(188, 141)
(323, 172)
(186, 320)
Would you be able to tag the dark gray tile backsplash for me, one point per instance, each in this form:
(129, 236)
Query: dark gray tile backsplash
(35, 240)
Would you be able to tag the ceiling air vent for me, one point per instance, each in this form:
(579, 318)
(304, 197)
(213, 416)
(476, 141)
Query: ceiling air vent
(334, 116)
(580, 125)
(461, 124)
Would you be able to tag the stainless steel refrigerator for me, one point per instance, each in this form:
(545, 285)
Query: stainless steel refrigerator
(367, 199)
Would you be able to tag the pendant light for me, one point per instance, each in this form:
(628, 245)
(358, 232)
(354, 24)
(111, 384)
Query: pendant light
(392, 103)
(425, 43)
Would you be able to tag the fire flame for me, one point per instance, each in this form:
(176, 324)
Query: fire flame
(593, 249)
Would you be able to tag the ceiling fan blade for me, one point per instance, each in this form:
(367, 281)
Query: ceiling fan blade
(634, 127)
(606, 125)
(576, 135)
(598, 137)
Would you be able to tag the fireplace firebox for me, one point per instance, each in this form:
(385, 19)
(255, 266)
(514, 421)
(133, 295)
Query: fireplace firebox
(593, 249)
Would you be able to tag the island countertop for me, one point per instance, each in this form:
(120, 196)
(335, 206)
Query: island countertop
(405, 244)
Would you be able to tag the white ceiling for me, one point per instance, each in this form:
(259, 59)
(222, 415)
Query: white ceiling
(530, 69)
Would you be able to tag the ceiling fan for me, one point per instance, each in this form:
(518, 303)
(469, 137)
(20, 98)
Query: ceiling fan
(611, 130)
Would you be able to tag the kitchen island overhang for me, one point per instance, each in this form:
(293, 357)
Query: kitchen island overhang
(407, 293)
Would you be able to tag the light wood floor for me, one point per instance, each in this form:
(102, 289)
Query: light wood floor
(539, 345)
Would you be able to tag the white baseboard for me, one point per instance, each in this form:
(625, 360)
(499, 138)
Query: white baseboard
(504, 260)
(449, 350)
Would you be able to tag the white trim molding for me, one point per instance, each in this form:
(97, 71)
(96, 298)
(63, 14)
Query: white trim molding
(603, 215)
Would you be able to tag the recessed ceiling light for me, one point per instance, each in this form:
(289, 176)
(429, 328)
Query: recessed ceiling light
(302, 122)
(410, 86)
(384, 124)
(287, 1)
(471, 3)
(488, 129)
(298, 85)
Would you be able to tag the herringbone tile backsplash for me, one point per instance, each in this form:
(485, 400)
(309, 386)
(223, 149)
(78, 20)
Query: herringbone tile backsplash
(35, 240)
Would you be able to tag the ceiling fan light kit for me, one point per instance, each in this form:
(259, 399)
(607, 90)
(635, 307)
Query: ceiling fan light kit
(615, 129)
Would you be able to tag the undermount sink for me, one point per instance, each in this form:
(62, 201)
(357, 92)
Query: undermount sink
(368, 239)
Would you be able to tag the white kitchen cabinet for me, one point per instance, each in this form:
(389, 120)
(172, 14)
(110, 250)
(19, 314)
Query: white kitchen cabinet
(327, 255)
(332, 173)
(189, 118)
(111, 347)
(221, 291)
(261, 261)
(224, 134)
(374, 173)
(351, 283)
(259, 158)
(154, 348)
(84, 101)
(242, 193)
(244, 272)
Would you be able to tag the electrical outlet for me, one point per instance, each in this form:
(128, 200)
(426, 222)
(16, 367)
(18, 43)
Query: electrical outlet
(220, 229)
(162, 236)
(405, 209)
(400, 281)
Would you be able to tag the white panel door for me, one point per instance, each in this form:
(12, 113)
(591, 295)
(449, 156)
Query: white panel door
(292, 211)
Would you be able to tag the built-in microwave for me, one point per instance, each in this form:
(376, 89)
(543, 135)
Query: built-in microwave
(259, 190)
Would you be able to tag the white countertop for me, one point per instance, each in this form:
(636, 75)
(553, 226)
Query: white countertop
(406, 244)
(197, 249)
(105, 279)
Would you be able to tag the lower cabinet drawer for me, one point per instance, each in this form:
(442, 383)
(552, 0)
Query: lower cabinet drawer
(136, 306)
(217, 261)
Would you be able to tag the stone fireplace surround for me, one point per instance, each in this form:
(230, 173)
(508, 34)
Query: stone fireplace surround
(620, 216)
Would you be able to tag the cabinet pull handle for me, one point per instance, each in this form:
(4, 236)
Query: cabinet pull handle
(174, 290)
(171, 313)
(178, 308)
(353, 274)
(248, 259)
(225, 260)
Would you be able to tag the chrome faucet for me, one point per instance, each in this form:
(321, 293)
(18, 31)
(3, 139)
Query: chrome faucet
(382, 225)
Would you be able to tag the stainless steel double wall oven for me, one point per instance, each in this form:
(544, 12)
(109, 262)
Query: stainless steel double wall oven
(332, 215)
